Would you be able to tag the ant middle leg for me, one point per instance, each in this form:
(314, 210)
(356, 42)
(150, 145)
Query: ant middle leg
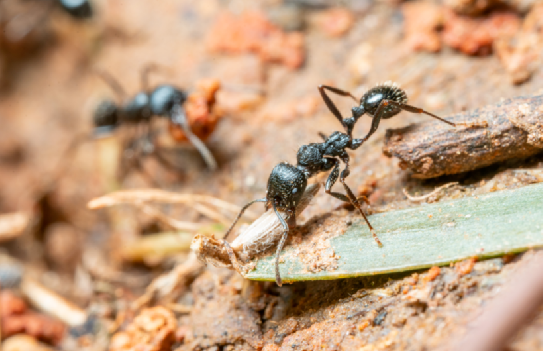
(350, 197)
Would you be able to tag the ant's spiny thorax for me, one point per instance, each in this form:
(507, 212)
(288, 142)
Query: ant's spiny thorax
(386, 91)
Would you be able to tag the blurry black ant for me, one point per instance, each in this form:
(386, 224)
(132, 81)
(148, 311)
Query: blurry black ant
(163, 101)
(22, 22)
(380, 102)
(78, 9)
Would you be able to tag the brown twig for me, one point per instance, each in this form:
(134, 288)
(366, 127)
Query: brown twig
(160, 196)
(178, 308)
(211, 214)
(170, 222)
(13, 224)
(504, 316)
(200, 203)
(52, 304)
(262, 234)
(514, 130)
(169, 286)
(156, 246)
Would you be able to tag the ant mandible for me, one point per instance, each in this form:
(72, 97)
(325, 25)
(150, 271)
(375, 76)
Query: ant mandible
(380, 102)
(163, 101)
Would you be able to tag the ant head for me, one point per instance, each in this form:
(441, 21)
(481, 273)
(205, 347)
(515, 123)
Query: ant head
(286, 186)
(80, 9)
(164, 98)
(106, 117)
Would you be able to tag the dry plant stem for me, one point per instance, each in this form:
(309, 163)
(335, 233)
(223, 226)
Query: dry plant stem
(96, 264)
(13, 224)
(170, 222)
(52, 304)
(514, 131)
(509, 311)
(177, 308)
(160, 196)
(210, 213)
(233, 258)
(169, 286)
(262, 234)
(156, 246)
(211, 250)
(0, 323)
(424, 197)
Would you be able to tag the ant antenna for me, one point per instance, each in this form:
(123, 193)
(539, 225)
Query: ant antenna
(112, 83)
(180, 119)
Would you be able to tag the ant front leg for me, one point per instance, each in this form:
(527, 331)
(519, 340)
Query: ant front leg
(179, 118)
(292, 221)
(241, 214)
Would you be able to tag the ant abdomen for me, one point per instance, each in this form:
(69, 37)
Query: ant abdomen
(386, 91)
(106, 115)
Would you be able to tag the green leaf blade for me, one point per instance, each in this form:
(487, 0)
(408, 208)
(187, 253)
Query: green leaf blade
(484, 226)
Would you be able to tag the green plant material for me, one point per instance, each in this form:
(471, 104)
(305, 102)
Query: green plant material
(157, 246)
(214, 229)
(483, 226)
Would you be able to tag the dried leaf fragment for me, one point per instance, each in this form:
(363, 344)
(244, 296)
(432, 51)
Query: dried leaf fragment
(262, 234)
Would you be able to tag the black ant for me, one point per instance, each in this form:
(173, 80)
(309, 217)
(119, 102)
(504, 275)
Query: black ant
(380, 102)
(22, 23)
(287, 182)
(163, 101)
(79, 9)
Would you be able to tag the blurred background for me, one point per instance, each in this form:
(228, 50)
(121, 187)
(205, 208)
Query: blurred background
(251, 72)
